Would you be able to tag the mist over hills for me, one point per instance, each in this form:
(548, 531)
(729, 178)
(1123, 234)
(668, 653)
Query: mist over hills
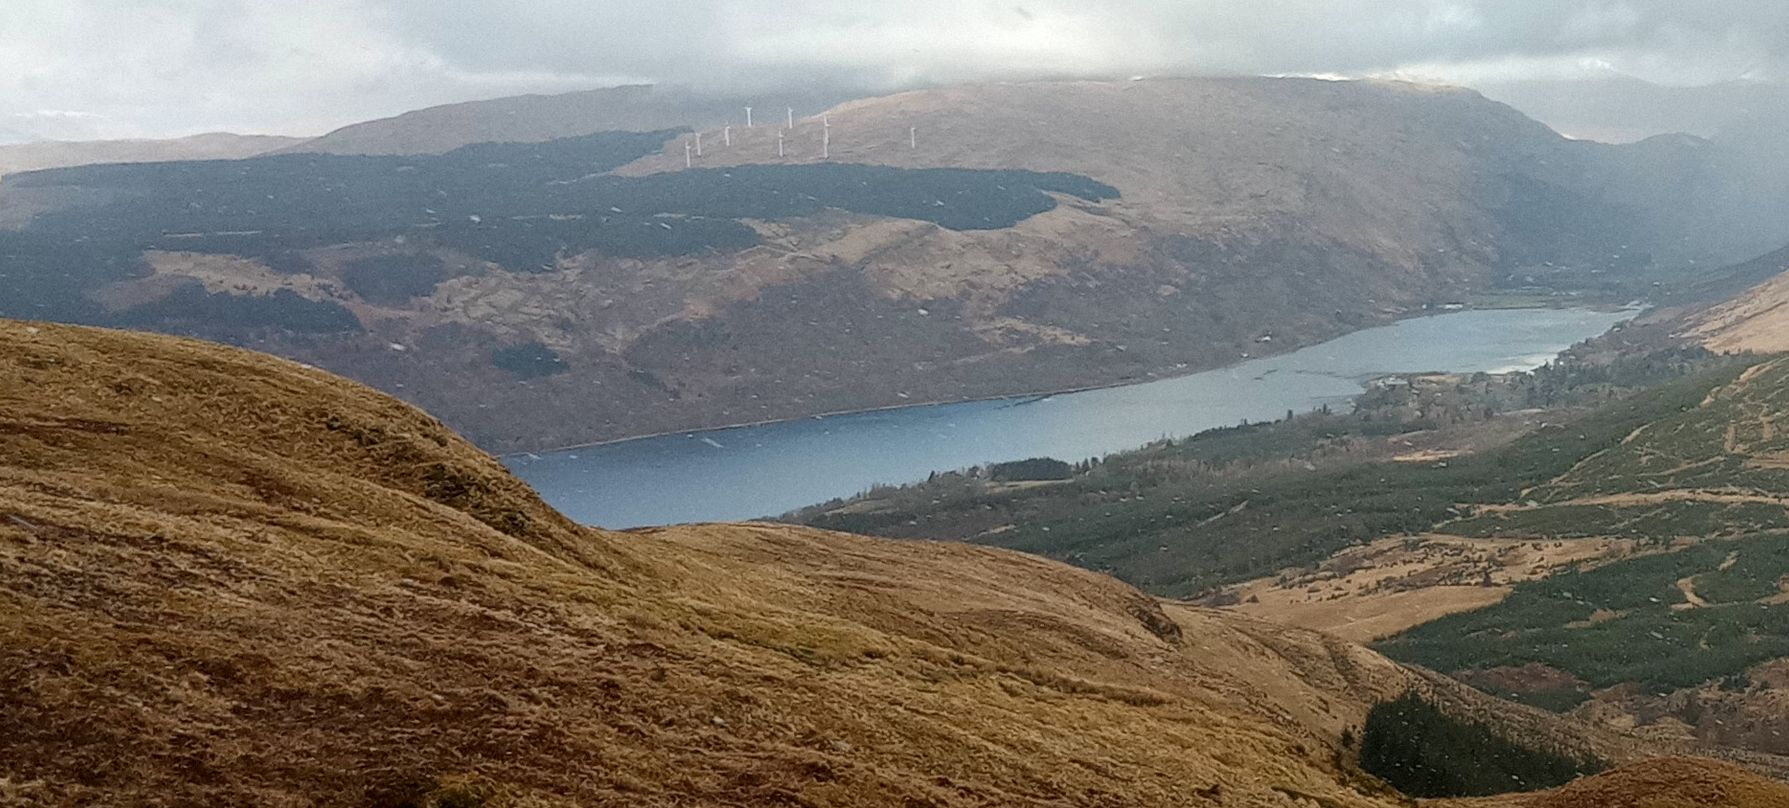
(1627, 110)
(535, 118)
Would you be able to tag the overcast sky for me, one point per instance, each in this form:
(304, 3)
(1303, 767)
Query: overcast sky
(131, 68)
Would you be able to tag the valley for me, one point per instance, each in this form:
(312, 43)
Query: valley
(760, 470)
(1132, 231)
(929, 405)
(418, 564)
(1614, 552)
(1182, 517)
(1421, 566)
(215, 550)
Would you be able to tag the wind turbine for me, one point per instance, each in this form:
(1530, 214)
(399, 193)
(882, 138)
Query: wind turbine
(727, 135)
(825, 138)
(686, 155)
(698, 144)
(779, 143)
(791, 117)
(748, 117)
(913, 137)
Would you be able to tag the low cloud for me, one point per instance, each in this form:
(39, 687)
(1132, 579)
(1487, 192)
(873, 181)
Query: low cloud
(168, 67)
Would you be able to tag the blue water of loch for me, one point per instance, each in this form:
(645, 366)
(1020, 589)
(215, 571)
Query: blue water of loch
(754, 471)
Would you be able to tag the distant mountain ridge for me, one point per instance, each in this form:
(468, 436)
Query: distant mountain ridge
(536, 118)
(218, 145)
(1625, 109)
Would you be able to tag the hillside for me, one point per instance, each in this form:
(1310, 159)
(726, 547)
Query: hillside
(232, 579)
(962, 242)
(1696, 616)
(1238, 506)
(1608, 536)
(1754, 320)
(56, 154)
(1672, 783)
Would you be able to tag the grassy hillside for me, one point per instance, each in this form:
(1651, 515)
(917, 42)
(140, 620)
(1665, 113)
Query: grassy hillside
(230, 579)
(507, 206)
(1669, 783)
(1185, 517)
(1627, 622)
(1748, 319)
(1706, 607)
(1629, 560)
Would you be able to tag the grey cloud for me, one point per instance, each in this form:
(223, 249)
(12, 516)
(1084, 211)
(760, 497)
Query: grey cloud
(709, 40)
(178, 66)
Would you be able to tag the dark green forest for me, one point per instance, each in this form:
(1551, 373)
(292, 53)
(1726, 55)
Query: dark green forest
(1181, 517)
(1643, 638)
(1036, 469)
(521, 206)
(393, 280)
(1423, 752)
(529, 360)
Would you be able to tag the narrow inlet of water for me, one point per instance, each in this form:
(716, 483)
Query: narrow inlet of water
(748, 472)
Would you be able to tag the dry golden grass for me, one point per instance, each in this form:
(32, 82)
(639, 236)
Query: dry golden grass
(229, 579)
(1665, 783)
(1380, 589)
(1754, 320)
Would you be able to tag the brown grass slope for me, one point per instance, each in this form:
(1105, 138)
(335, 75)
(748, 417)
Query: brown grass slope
(229, 579)
(1667, 783)
(1755, 320)
(1229, 154)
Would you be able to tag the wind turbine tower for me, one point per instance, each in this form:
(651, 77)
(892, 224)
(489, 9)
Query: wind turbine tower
(727, 135)
(698, 144)
(748, 117)
(913, 137)
(779, 143)
(687, 162)
(791, 117)
(825, 138)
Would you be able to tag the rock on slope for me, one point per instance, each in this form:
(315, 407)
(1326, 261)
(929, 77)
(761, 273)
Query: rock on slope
(226, 578)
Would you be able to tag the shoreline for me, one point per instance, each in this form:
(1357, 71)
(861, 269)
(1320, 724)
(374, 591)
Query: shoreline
(1279, 349)
(860, 411)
